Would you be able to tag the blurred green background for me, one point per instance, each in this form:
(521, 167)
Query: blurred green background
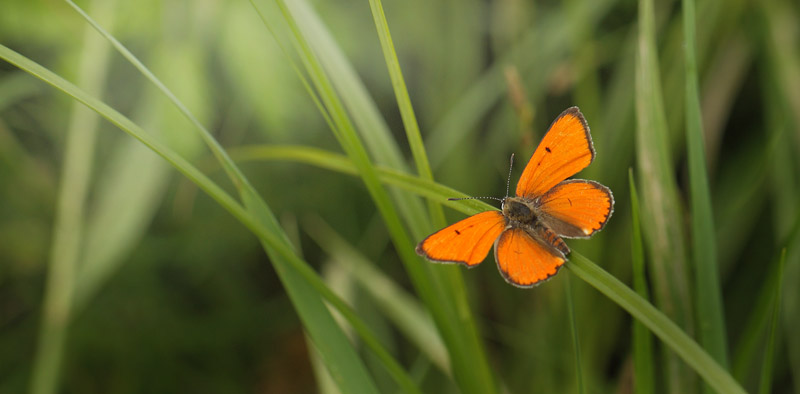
(118, 275)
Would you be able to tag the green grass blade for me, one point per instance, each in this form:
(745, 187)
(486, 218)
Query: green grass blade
(399, 306)
(745, 358)
(708, 294)
(643, 360)
(769, 351)
(340, 357)
(404, 103)
(576, 345)
(657, 322)
(68, 235)
(663, 232)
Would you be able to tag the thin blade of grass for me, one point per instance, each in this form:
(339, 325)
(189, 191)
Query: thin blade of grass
(745, 358)
(708, 294)
(643, 360)
(68, 235)
(659, 194)
(576, 344)
(769, 351)
(404, 103)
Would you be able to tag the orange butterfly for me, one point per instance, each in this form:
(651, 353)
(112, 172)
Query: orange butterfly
(527, 233)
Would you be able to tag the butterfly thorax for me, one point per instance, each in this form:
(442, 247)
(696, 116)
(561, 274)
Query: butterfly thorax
(520, 211)
(524, 213)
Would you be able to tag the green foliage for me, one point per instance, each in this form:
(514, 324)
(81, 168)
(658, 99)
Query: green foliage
(331, 135)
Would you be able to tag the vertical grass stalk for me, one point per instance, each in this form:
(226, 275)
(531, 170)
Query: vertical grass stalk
(65, 252)
(576, 344)
(708, 295)
(660, 204)
(643, 360)
(769, 352)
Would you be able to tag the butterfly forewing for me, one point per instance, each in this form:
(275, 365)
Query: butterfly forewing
(564, 150)
(467, 242)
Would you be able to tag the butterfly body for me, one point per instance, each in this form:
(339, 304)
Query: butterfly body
(523, 213)
(527, 232)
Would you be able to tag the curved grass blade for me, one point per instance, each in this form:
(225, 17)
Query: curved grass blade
(664, 328)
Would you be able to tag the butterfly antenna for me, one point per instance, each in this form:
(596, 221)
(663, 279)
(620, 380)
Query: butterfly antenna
(473, 198)
(510, 167)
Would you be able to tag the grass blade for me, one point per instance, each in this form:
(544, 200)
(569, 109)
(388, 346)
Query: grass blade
(404, 103)
(708, 295)
(576, 345)
(769, 351)
(643, 360)
(659, 194)
(65, 253)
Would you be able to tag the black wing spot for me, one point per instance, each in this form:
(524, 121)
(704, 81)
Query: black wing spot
(547, 148)
(570, 201)
(458, 232)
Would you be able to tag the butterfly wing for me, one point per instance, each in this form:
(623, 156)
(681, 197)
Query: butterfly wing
(576, 208)
(466, 242)
(523, 261)
(564, 150)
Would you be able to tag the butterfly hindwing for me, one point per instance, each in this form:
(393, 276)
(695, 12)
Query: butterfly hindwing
(576, 208)
(565, 149)
(467, 241)
(522, 260)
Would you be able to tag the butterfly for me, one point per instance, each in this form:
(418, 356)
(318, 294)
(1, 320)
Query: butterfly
(527, 232)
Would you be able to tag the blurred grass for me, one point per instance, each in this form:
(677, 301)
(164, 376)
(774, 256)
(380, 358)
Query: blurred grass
(172, 294)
